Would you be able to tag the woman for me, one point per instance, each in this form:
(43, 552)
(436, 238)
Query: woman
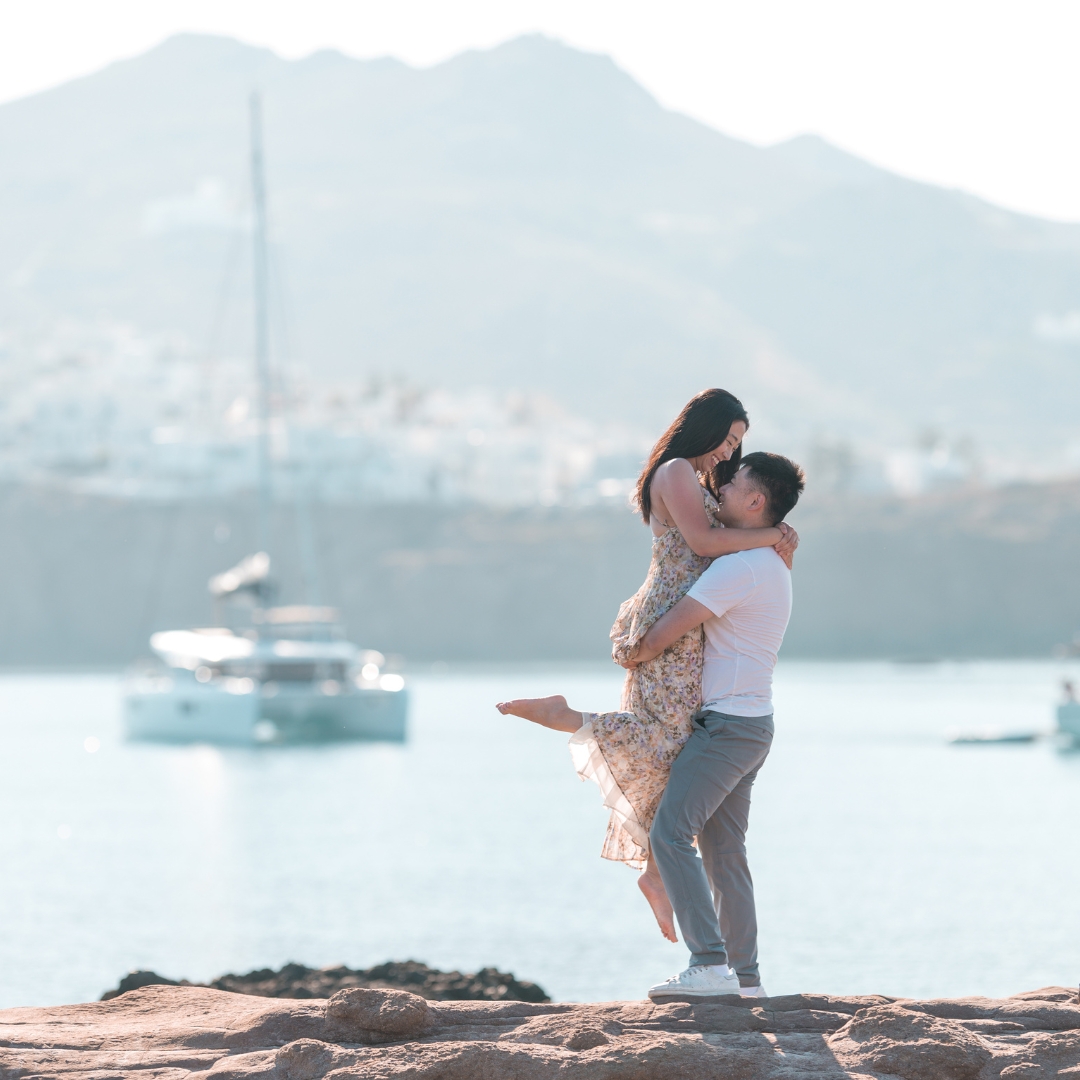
(629, 753)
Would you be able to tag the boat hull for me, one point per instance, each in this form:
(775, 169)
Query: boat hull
(1068, 724)
(190, 714)
(194, 713)
(363, 714)
(1068, 720)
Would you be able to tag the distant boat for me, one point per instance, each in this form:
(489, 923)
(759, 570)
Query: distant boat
(1068, 719)
(289, 676)
(990, 736)
(278, 673)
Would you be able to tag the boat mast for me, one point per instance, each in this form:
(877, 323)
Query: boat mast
(262, 328)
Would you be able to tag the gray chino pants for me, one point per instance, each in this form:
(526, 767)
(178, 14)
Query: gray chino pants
(708, 796)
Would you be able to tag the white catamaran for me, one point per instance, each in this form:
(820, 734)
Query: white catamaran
(267, 673)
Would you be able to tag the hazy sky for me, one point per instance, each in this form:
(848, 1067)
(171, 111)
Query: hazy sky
(977, 94)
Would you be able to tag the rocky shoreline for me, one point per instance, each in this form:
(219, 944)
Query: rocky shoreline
(297, 981)
(177, 1032)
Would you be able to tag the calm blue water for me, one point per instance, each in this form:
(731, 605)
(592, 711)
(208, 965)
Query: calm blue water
(885, 860)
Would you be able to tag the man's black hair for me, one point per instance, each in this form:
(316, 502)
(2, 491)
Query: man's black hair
(779, 479)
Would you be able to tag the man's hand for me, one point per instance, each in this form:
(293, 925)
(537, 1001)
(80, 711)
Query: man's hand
(786, 548)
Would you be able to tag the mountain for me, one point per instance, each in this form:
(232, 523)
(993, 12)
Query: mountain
(529, 216)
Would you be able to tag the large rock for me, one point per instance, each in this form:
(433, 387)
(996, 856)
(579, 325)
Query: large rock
(177, 1032)
(363, 1015)
(906, 1041)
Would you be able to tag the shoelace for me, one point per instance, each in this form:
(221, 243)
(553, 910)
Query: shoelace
(676, 980)
(689, 971)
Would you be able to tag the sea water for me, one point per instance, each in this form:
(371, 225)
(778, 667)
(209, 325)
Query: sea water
(885, 859)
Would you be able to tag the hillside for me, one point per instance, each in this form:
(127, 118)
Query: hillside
(530, 217)
(980, 574)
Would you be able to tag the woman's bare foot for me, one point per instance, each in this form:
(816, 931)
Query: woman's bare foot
(551, 712)
(653, 888)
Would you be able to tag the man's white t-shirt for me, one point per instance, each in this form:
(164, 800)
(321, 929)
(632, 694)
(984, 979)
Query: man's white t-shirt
(749, 594)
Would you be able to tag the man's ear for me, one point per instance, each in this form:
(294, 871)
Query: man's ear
(756, 505)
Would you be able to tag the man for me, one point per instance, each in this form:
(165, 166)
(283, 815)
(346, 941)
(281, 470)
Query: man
(744, 602)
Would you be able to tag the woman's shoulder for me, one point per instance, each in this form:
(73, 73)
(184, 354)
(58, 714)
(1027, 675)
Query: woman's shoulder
(675, 470)
(677, 476)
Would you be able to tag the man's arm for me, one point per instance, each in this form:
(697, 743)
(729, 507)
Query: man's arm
(671, 626)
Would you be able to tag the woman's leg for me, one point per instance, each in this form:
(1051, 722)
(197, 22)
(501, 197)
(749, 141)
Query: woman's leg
(553, 712)
(549, 712)
(652, 886)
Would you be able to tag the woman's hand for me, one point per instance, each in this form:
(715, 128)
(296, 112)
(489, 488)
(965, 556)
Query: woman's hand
(628, 661)
(786, 548)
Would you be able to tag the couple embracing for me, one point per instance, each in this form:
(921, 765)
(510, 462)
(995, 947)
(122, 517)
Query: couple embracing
(699, 640)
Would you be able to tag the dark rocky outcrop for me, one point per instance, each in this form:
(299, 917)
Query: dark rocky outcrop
(297, 981)
(198, 1033)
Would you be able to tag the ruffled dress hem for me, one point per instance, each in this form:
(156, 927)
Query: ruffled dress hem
(590, 763)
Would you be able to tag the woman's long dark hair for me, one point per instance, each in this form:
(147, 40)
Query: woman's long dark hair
(702, 426)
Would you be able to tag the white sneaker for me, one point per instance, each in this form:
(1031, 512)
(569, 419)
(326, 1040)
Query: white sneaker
(753, 991)
(699, 981)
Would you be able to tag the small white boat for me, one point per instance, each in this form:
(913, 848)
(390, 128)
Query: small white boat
(990, 736)
(290, 676)
(282, 674)
(1068, 720)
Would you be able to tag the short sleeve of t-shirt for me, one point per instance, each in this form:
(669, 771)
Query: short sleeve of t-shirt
(726, 583)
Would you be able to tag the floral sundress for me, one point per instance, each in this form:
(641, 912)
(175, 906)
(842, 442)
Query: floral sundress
(629, 753)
